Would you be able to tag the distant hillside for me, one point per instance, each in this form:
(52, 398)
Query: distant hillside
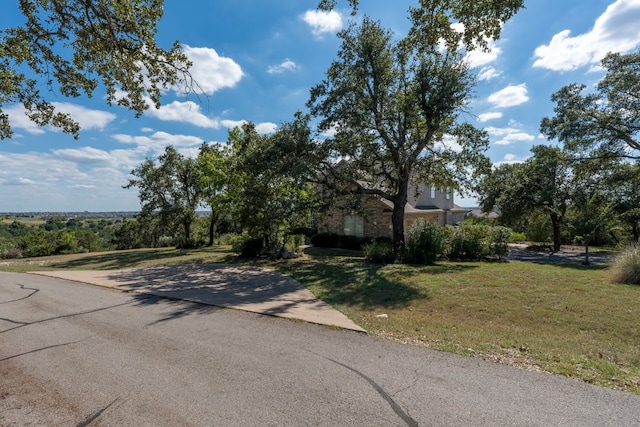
(69, 215)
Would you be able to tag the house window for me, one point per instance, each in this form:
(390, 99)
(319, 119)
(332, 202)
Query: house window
(447, 193)
(353, 226)
(433, 191)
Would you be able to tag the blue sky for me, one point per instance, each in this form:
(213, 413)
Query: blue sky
(257, 60)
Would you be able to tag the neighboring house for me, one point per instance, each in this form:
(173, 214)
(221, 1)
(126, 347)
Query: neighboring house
(374, 218)
(479, 214)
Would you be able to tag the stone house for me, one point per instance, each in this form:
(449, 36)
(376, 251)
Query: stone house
(373, 218)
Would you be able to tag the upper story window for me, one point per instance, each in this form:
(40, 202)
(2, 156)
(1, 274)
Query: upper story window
(433, 191)
(447, 193)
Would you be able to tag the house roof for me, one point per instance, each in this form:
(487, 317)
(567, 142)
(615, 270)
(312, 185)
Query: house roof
(408, 208)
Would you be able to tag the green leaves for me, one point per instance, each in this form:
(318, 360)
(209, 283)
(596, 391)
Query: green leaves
(270, 191)
(606, 122)
(170, 191)
(392, 108)
(74, 46)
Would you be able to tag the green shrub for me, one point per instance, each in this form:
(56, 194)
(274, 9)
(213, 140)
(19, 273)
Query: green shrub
(626, 268)
(305, 231)
(425, 242)
(325, 240)
(293, 243)
(468, 242)
(539, 231)
(518, 237)
(378, 251)
(12, 253)
(499, 241)
(247, 246)
(350, 242)
(226, 239)
(331, 240)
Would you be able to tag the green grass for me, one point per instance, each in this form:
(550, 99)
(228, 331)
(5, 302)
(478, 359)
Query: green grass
(563, 318)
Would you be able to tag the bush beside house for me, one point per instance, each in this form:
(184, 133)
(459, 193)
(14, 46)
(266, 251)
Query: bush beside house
(427, 242)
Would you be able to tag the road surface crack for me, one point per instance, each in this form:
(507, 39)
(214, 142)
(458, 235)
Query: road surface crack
(91, 418)
(25, 297)
(394, 405)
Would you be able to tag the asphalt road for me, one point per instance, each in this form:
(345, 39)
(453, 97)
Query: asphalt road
(79, 355)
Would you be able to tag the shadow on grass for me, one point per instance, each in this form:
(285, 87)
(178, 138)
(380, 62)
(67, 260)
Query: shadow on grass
(135, 258)
(351, 284)
(442, 268)
(578, 265)
(567, 264)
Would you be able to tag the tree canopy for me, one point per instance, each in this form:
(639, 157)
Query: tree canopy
(436, 20)
(170, 191)
(74, 46)
(271, 193)
(605, 123)
(541, 183)
(392, 110)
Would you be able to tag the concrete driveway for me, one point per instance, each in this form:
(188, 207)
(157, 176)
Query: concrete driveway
(243, 288)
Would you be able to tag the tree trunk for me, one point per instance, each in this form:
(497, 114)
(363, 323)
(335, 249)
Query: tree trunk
(555, 223)
(636, 234)
(397, 216)
(397, 222)
(587, 240)
(187, 232)
(212, 227)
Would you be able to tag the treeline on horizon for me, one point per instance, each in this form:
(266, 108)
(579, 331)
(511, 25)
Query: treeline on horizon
(25, 235)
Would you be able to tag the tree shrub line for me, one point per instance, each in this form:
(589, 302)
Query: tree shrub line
(55, 236)
(427, 243)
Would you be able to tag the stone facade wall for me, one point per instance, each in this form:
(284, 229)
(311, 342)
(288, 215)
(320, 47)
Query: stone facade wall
(377, 222)
(377, 215)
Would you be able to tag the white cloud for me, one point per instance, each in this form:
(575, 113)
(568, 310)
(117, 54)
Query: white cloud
(485, 117)
(510, 96)
(19, 120)
(24, 181)
(507, 136)
(266, 128)
(156, 142)
(616, 30)
(86, 117)
(63, 180)
(232, 124)
(448, 142)
(323, 22)
(84, 155)
(286, 65)
(479, 58)
(210, 71)
(262, 128)
(185, 112)
(510, 158)
(191, 112)
(488, 73)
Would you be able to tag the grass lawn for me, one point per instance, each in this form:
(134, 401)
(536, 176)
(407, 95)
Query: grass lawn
(559, 318)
